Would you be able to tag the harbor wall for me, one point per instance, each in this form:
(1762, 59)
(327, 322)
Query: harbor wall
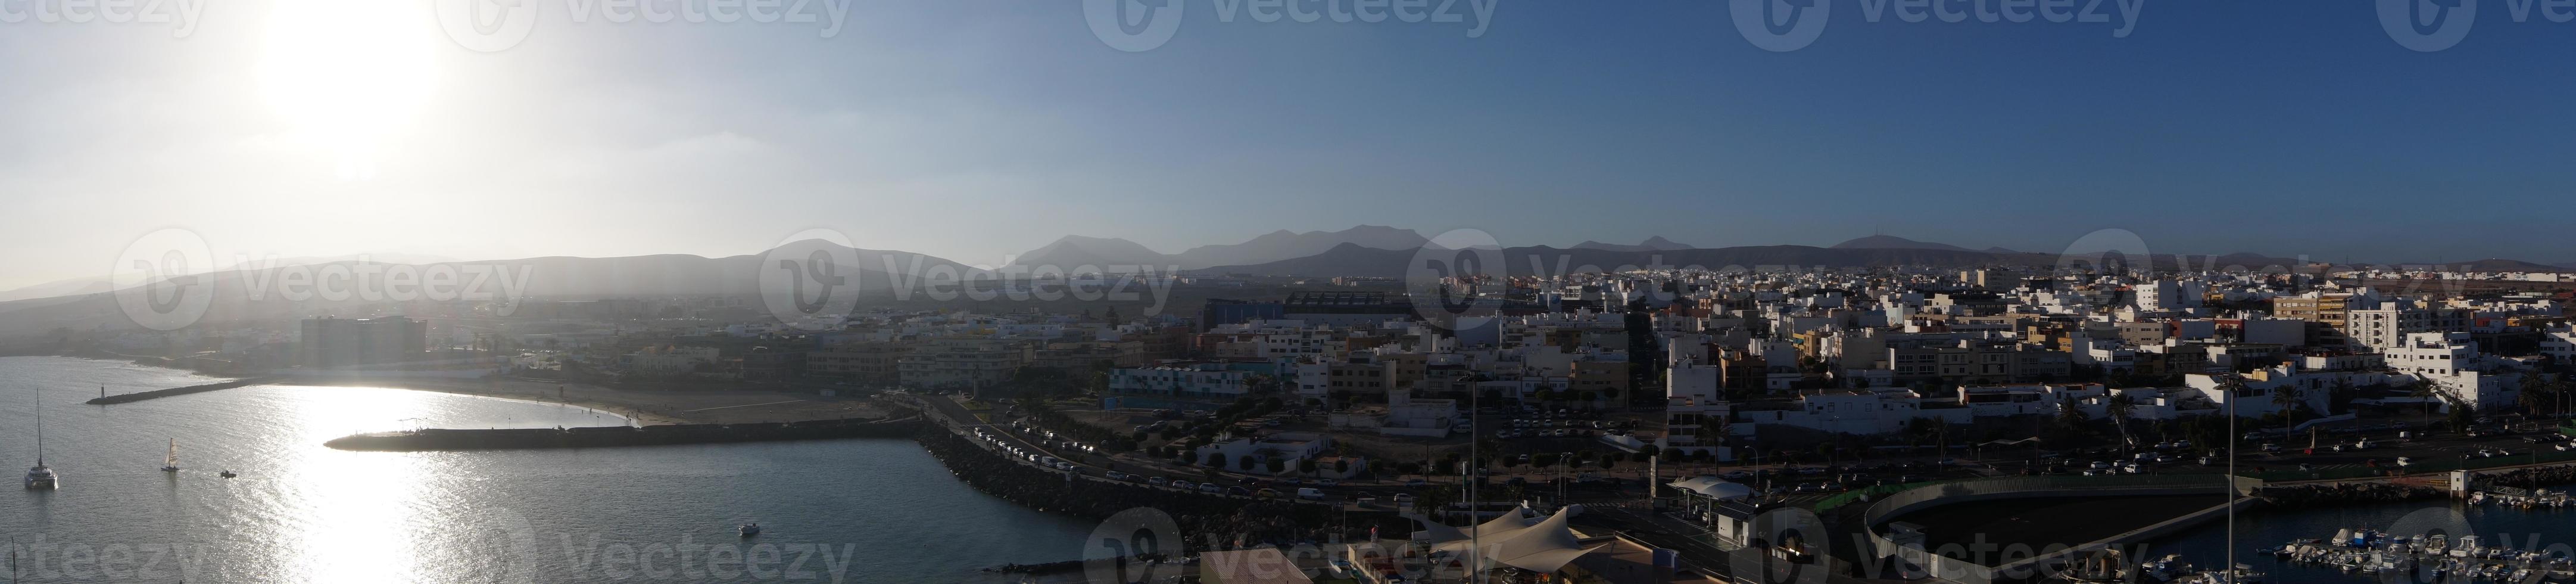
(177, 391)
(1969, 572)
(616, 436)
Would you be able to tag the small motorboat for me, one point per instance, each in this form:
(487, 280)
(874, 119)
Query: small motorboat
(749, 529)
(226, 474)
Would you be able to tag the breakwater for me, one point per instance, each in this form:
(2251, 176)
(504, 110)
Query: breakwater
(175, 391)
(615, 436)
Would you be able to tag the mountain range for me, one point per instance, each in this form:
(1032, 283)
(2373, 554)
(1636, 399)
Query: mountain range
(88, 303)
(1073, 251)
(1656, 243)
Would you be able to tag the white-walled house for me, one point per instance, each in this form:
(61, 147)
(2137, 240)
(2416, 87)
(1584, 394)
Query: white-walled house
(2453, 364)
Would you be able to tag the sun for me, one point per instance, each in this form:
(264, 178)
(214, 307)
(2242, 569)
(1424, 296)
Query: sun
(348, 77)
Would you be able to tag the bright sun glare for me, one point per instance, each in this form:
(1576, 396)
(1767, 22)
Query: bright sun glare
(348, 76)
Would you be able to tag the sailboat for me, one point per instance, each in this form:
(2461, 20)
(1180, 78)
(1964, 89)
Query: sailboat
(41, 476)
(171, 463)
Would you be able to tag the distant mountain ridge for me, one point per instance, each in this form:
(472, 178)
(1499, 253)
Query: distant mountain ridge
(1894, 242)
(1656, 243)
(1071, 252)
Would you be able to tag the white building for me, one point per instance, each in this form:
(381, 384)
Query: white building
(2453, 364)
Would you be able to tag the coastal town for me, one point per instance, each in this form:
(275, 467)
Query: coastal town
(1636, 425)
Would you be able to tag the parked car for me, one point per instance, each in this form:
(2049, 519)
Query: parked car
(1309, 493)
(1156, 481)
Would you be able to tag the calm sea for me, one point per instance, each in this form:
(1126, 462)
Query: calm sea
(878, 510)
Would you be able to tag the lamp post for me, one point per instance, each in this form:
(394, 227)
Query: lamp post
(2233, 440)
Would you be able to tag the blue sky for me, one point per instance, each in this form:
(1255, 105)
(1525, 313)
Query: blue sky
(972, 129)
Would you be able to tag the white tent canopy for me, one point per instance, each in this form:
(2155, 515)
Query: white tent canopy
(1511, 540)
(1713, 487)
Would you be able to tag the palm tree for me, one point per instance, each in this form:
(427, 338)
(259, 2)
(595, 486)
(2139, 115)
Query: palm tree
(2287, 399)
(2423, 393)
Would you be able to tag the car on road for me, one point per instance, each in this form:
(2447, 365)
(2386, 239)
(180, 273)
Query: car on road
(1327, 483)
(1267, 493)
(1211, 488)
(1156, 481)
(1115, 475)
(1416, 483)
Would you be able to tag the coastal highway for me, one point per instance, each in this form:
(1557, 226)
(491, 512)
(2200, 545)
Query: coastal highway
(1093, 467)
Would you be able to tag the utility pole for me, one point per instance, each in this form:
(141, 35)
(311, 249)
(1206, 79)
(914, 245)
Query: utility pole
(2233, 440)
(1475, 540)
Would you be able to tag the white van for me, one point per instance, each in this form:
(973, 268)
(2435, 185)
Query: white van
(1309, 493)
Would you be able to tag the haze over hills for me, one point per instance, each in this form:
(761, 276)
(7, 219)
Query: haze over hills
(1361, 251)
(100, 283)
(1656, 243)
(1894, 242)
(1072, 252)
(239, 294)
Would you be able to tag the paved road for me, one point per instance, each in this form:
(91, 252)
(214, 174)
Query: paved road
(1088, 466)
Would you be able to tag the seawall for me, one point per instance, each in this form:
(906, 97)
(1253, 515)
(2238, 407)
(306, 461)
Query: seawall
(615, 436)
(175, 391)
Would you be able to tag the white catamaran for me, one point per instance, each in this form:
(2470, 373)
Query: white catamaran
(171, 464)
(41, 476)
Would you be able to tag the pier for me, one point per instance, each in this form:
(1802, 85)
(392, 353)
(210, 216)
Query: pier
(178, 391)
(615, 436)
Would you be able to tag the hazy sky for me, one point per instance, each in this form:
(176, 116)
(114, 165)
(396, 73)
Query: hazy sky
(972, 129)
